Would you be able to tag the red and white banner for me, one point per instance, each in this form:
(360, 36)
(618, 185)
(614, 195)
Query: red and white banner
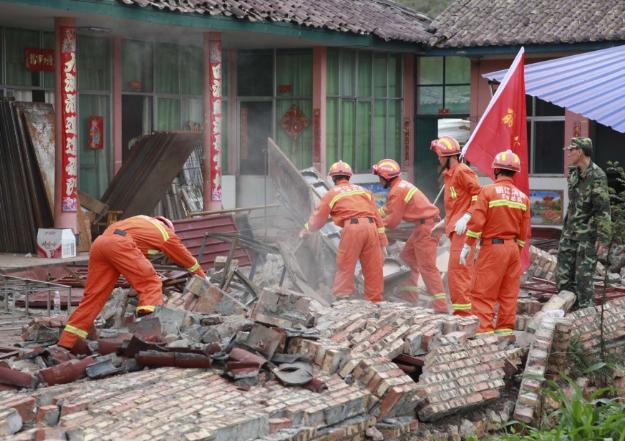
(69, 129)
(216, 118)
(504, 126)
(39, 60)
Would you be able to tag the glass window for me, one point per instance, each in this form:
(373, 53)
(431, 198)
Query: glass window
(294, 73)
(361, 130)
(94, 63)
(545, 127)
(168, 114)
(94, 164)
(457, 70)
(137, 66)
(443, 85)
(430, 70)
(332, 76)
(17, 40)
(166, 69)
(255, 73)
(48, 77)
(192, 70)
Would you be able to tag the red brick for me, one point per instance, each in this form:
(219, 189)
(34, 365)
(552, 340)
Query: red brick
(276, 424)
(25, 407)
(47, 414)
(50, 434)
(78, 406)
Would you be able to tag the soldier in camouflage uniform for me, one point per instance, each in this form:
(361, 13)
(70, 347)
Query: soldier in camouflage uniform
(587, 224)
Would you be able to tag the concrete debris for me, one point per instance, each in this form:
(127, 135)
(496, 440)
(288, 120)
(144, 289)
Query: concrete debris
(283, 308)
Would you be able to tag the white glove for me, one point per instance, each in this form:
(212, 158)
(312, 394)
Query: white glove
(461, 224)
(466, 249)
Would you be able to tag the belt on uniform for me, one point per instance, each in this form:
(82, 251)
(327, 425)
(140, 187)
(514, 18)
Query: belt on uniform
(120, 232)
(496, 241)
(354, 220)
(427, 219)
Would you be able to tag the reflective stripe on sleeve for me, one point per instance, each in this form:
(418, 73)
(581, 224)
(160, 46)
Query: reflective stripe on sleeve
(521, 243)
(381, 230)
(381, 211)
(453, 193)
(194, 267)
(410, 194)
(440, 295)
(503, 331)
(474, 198)
(461, 306)
(474, 234)
(74, 330)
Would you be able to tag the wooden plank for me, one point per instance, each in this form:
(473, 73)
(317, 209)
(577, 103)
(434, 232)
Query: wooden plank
(91, 203)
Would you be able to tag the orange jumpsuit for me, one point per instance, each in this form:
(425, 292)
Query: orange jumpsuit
(123, 248)
(353, 208)
(500, 219)
(407, 202)
(461, 190)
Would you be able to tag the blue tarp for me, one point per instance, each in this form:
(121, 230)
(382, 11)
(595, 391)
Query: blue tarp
(591, 84)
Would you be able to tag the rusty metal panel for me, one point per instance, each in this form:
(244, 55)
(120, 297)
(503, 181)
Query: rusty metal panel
(192, 232)
(155, 160)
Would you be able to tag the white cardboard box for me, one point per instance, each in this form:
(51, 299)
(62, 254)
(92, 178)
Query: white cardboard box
(56, 242)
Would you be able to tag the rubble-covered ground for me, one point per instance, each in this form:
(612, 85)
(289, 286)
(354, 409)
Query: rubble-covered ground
(264, 362)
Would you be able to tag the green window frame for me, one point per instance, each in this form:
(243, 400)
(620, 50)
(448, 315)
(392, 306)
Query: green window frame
(443, 86)
(364, 107)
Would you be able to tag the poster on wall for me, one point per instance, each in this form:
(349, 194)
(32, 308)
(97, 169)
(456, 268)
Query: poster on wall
(546, 207)
(379, 192)
(69, 180)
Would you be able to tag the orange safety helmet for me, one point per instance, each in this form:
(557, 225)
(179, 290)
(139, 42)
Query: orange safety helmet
(446, 146)
(386, 168)
(340, 169)
(507, 160)
(169, 224)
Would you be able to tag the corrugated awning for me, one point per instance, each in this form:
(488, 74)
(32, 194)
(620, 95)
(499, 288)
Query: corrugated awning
(591, 84)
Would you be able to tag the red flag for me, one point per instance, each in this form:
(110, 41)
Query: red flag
(504, 125)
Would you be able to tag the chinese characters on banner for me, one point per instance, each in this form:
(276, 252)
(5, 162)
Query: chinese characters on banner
(216, 119)
(38, 60)
(69, 129)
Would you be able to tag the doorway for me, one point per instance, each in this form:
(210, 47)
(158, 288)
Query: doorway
(136, 120)
(255, 126)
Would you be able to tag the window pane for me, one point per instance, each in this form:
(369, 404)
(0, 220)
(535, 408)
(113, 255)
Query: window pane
(294, 73)
(136, 66)
(379, 131)
(430, 70)
(457, 70)
(331, 132)
(457, 99)
(379, 75)
(17, 41)
(548, 142)
(94, 72)
(364, 74)
(168, 117)
(94, 164)
(192, 114)
(48, 43)
(333, 72)
(529, 100)
(393, 149)
(543, 108)
(347, 131)
(166, 68)
(348, 66)
(192, 71)
(430, 99)
(394, 76)
(363, 137)
(255, 73)
(297, 148)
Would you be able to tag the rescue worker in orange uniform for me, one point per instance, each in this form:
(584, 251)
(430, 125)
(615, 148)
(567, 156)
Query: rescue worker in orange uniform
(500, 219)
(461, 190)
(353, 208)
(122, 249)
(407, 202)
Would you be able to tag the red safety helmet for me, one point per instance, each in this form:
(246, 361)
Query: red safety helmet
(340, 169)
(386, 168)
(169, 224)
(507, 160)
(446, 146)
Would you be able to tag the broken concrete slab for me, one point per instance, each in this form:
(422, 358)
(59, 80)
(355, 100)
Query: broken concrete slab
(10, 421)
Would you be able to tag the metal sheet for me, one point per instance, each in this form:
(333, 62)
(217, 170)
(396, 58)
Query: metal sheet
(591, 84)
(191, 232)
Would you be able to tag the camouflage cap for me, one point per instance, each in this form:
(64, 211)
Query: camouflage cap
(583, 143)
